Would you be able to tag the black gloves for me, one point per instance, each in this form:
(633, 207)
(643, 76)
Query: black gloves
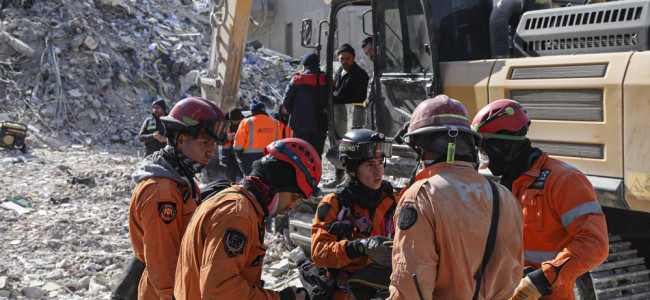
(371, 247)
(341, 228)
(539, 280)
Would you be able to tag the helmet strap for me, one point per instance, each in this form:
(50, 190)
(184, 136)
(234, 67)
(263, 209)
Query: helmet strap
(451, 145)
(273, 206)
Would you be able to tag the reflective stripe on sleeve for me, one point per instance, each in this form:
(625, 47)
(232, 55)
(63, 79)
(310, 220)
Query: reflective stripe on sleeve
(250, 133)
(583, 209)
(254, 151)
(538, 257)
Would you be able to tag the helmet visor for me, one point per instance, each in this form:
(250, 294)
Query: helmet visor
(215, 128)
(375, 149)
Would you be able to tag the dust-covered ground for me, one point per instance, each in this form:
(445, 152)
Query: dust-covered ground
(81, 75)
(64, 224)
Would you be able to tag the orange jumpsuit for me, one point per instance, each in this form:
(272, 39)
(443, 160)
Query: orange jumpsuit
(442, 224)
(565, 232)
(222, 253)
(253, 134)
(328, 251)
(158, 216)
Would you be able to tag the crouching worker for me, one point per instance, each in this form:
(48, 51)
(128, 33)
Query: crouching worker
(352, 225)
(222, 253)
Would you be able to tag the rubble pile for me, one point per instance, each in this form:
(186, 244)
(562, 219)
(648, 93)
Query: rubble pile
(64, 219)
(85, 72)
(81, 75)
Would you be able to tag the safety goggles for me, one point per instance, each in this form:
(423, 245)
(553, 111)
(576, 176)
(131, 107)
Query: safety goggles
(370, 149)
(214, 128)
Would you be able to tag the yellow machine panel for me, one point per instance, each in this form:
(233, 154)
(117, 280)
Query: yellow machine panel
(467, 82)
(576, 103)
(636, 131)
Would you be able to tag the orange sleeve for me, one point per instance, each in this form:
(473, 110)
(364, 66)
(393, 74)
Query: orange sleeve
(326, 251)
(220, 273)
(162, 238)
(410, 255)
(574, 202)
(241, 137)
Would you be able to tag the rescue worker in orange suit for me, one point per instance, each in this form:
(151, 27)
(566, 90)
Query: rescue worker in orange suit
(565, 233)
(226, 155)
(305, 100)
(152, 133)
(253, 134)
(223, 250)
(351, 224)
(444, 218)
(166, 195)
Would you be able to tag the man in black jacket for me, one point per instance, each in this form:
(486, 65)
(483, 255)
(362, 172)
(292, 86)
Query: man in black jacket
(305, 100)
(152, 133)
(350, 87)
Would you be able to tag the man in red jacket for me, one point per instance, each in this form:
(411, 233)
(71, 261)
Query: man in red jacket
(565, 233)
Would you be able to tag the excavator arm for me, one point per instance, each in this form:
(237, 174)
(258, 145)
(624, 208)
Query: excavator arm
(220, 82)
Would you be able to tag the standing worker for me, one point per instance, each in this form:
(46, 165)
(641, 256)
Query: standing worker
(222, 253)
(367, 47)
(253, 134)
(350, 87)
(565, 233)
(166, 195)
(305, 101)
(453, 238)
(351, 224)
(152, 133)
(226, 154)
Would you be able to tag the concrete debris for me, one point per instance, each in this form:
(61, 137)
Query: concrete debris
(74, 244)
(69, 68)
(84, 93)
(16, 44)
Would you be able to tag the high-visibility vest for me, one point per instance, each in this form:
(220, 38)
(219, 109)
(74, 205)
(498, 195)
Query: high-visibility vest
(255, 133)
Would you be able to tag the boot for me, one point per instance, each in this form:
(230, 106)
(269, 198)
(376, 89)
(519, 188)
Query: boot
(340, 177)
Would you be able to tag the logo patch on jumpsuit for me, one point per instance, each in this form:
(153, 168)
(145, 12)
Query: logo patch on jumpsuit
(540, 180)
(234, 242)
(167, 211)
(407, 217)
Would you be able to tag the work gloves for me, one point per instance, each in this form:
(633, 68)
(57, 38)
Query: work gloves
(372, 247)
(533, 286)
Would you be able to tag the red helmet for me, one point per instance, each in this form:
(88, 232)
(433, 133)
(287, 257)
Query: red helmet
(438, 114)
(500, 115)
(197, 115)
(304, 159)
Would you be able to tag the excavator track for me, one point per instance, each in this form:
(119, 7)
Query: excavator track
(623, 275)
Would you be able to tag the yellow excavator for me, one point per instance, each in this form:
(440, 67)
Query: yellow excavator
(581, 69)
(229, 20)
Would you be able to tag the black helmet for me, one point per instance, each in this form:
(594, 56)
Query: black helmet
(360, 145)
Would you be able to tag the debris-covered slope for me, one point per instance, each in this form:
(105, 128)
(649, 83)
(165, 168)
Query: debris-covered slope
(83, 72)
